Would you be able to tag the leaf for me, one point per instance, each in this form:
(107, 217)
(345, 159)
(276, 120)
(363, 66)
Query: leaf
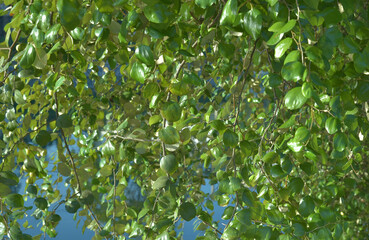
(38, 37)
(41, 203)
(158, 13)
(29, 57)
(154, 119)
(282, 47)
(69, 13)
(275, 38)
(294, 99)
(288, 26)
(293, 56)
(276, 27)
(108, 149)
(252, 23)
(18, 97)
(306, 206)
(230, 139)
(331, 125)
(295, 185)
(14, 200)
(230, 234)
(244, 216)
(52, 33)
(307, 90)
(271, 157)
(187, 211)
(64, 121)
(138, 71)
(276, 171)
(204, 3)
(105, 6)
(43, 138)
(160, 182)
(340, 141)
(72, 205)
(171, 111)
(302, 134)
(362, 91)
(169, 135)
(145, 55)
(63, 169)
(293, 71)
(59, 83)
(229, 13)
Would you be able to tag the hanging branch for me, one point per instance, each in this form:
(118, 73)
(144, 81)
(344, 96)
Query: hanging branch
(73, 164)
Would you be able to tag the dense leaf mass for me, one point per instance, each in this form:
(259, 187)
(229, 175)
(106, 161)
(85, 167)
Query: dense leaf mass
(265, 101)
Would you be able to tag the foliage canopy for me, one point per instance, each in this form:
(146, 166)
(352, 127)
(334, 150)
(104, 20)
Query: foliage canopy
(265, 100)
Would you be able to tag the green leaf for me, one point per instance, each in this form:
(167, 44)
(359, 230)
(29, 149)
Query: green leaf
(63, 169)
(293, 56)
(72, 206)
(41, 203)
(275, 38)
(8, 178)
(362, 91)
(204, 3)
(29, 57)
(169, 163)
(230, 139)
(229, 13)
(154, 119)
(158, 13)
(69, 13)
(252, 23)
(293, 71)
(295, 185)
(160, 182)
(108, 149)
(307, 90)
(276, 171)
(78, 33)
(14, 200)
(288, 26)
(169, 135)
(295, 146)
(18, 97)
(276, 27)
(105, 6)
(230, 234)
(312, 3)
(138, 72)
(52, 33)
(43, 138)
(340, 141)
(271, 157)
(294, 99)
(282, 47)
(187, 211)
(306, 206)
(331, 125)
(38, 37)
(4, 190)
(64, 121)
(171, 111)
(327, 214)
(302, 134)
(145, 55)
(244, 216)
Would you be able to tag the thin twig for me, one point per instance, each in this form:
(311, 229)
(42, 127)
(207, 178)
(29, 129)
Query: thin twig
(133, 139)
(114, 196)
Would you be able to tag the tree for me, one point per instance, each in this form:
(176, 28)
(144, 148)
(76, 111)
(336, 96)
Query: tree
(266, 100)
